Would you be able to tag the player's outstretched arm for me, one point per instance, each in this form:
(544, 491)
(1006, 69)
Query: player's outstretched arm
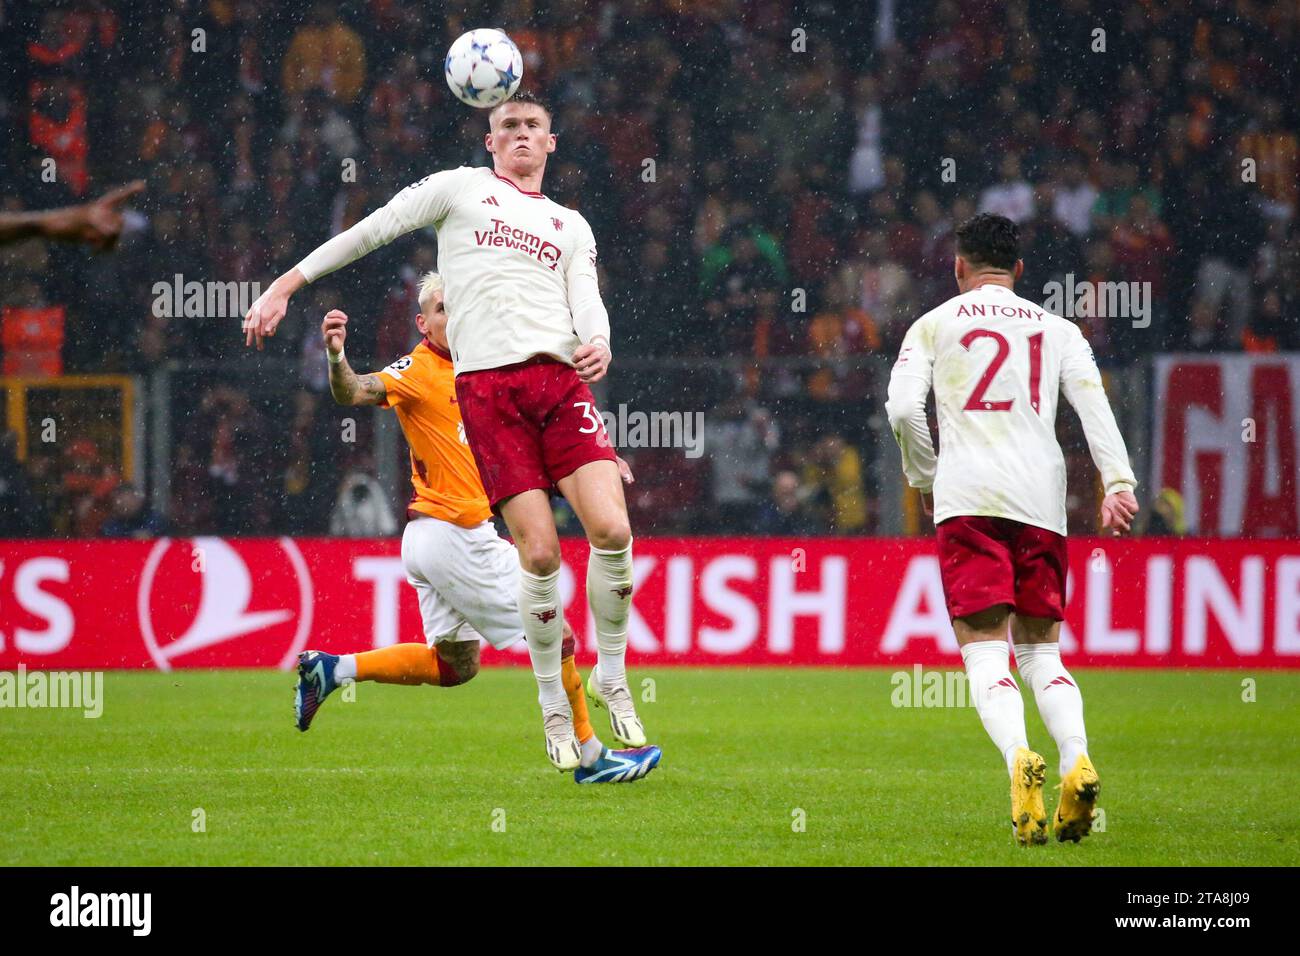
(418, 205)
(97, 223)
(269, 307)
(347, 387)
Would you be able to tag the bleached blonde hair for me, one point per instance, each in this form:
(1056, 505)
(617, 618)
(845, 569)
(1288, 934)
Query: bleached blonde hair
(430, 283)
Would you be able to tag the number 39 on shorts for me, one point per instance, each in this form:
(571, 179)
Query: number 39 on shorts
(589, 414)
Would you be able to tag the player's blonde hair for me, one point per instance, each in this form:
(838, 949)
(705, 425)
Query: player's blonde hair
(430, 283)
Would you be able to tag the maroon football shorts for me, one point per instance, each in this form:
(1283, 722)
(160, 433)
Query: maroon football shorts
(529, 425)
(989, 561)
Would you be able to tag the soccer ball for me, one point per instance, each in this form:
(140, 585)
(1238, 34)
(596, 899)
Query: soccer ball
(484, 68)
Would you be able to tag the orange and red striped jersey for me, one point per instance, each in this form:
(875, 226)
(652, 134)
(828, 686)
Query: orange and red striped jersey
(445, 483)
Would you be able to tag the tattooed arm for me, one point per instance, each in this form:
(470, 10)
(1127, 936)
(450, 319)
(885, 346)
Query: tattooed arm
(347, 387)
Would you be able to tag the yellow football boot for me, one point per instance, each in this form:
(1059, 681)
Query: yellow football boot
(1079, 790)
(1028, 816)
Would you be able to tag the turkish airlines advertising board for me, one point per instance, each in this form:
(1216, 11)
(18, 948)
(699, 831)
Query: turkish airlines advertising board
(213, 602)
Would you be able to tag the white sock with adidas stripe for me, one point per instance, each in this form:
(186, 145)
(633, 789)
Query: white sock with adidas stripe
(1059, 702)
(997, 698)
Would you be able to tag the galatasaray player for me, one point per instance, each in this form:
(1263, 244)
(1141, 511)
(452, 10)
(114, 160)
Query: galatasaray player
(528, 333)
(997, 364)
(465, 574)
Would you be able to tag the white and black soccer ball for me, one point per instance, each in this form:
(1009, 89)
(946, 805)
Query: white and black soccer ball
(484, 68)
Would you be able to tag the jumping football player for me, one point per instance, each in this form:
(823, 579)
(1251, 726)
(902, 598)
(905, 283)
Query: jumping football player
(465, 574)
(528, 333)
(997, 364)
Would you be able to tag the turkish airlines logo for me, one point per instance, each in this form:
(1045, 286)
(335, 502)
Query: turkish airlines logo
(201, 601)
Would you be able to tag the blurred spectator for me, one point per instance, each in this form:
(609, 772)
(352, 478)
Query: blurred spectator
(88, 486)
(327, 55)
(813, 226)
(1165, 516)
(736, 288)
(787, 512)
(833, 475)
(132, 517)
(1142, 249)
(360, 510)
(1223, 280)
(1122, 183)
(1275, 151)
(1268, 329)
(745, 249)
(839, 330)
(935, 254)
(231, 448)
(867, 164)
(22, 512)
(57, 125)
(668, 489)
(1011, 195)
(1205, 332)
(739, 440)
(881, 287)
(1073, 197)
(1049, 250)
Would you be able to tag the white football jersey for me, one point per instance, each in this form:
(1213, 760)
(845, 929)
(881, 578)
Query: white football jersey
(518, 270)
(997, 364)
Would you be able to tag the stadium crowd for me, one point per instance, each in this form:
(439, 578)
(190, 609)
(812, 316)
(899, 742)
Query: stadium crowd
(773, 183)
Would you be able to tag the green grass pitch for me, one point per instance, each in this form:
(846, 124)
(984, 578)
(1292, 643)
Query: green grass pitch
(1191, 775)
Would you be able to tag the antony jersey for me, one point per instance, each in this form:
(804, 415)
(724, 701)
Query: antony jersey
(519, 270)
(997, 364)
(421, 389)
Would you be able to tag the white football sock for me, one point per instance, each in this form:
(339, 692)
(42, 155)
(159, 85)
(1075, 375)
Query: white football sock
(997, 698)
(592, 748)
(346, 668)
(1059, 702)
(609, 593)
(543, 619)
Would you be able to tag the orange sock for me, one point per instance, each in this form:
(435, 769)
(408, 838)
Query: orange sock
(572, 681)
(399, 664)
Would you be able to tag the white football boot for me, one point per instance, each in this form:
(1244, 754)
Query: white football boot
(623, 721)
(561, 744)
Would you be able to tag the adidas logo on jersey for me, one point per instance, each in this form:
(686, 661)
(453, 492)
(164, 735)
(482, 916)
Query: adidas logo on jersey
(491, 201)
